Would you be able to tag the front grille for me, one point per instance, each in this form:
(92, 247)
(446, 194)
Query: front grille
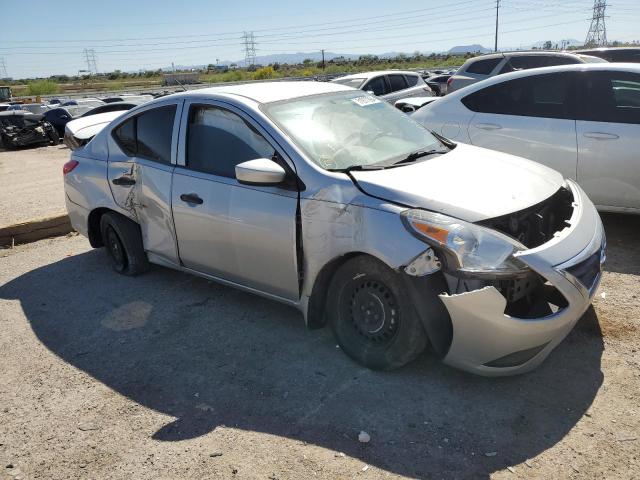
(586, 271)
(538, 224)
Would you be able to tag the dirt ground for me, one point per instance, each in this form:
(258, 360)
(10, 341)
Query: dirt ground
(170, 376)
(31, 183)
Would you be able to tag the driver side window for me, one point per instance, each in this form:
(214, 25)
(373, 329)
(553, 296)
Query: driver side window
(218, 140)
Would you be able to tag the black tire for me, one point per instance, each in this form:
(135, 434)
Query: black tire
(123, 241)
(372, 316)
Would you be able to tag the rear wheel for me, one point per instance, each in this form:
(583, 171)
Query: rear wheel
(123, 241)
(372, 316)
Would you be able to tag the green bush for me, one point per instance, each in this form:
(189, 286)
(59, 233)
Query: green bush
(42, 87)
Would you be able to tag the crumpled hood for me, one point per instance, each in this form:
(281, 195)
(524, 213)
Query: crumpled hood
(470, 183)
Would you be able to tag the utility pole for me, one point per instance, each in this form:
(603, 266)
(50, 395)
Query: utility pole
(249, 42)
(495, 48)
(323, 59)
(597, 35)
(90, 58)
(3, 68)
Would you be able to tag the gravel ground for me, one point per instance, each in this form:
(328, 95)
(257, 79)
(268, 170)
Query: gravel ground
(171, 376)
(31, 183)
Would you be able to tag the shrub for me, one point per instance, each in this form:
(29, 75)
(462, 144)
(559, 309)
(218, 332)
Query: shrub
(264, 73)
(42, 87)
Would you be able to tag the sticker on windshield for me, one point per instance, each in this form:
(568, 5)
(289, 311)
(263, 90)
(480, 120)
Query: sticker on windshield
(365, 100)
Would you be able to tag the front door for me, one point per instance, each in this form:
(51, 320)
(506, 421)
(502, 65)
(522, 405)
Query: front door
(608, 132)
(244, 234)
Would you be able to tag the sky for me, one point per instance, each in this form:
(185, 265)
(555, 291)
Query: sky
(143, 34)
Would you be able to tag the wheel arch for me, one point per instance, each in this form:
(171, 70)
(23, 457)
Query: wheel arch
(93, 225)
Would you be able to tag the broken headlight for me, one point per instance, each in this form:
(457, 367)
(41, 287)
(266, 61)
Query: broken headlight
(466, 247)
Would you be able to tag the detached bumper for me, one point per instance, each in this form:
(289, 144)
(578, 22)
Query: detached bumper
(489, 342)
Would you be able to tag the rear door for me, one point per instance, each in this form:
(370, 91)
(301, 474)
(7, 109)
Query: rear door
(241, 233)
(608, 133)
(531, 117)
(140, 171)
(397, 88)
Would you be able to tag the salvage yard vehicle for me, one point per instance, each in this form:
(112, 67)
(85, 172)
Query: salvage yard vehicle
(582, 120)
(80, 131)
(330, 200)
(486, 66)
(389, 85)
(21, 129)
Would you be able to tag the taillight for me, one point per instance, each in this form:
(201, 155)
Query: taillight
(450, 81)
(69, 166)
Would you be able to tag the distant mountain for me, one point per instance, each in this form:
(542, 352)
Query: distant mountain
(462, 49)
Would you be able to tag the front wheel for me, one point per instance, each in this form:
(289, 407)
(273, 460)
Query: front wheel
(372, 316)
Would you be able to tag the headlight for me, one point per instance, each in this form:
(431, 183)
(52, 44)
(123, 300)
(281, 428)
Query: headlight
(468, 248)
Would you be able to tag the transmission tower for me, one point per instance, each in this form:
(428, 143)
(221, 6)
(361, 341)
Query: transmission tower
(249, 42)
(597, 36)
(90, 57)
(3, 68)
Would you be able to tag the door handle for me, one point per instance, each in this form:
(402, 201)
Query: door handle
(123, 181)
(601, 135)
(488, 126)
(191, 198)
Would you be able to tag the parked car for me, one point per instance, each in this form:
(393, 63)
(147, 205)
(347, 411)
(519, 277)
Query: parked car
(128, 98)
(87, 102)
(111, 107)
(59, 117)
(37, 108)
(333, 201)
(582, 120)
(389, 85)
(486, 66)
(4, 106)
(410, 105)
(438, 83)
(21, 129)
(80, 131)
(614, 54)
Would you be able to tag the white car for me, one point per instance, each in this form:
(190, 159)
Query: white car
(581, 120)
(485, 66)
(389, 85)
(80, 131)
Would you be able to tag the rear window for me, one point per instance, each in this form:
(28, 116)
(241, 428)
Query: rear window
(412, 80)
(483, 67)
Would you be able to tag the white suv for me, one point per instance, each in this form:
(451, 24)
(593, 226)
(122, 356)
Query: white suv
(485, 66)
(389, 85)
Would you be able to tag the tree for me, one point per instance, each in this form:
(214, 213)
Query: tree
(547, 45)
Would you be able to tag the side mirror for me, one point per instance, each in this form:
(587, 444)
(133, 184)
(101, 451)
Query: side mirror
(261, 171)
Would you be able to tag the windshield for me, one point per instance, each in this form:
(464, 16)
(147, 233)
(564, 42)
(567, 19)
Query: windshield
(350, 82)
(350, 129)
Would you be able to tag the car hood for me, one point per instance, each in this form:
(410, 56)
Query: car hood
(84, 128)
(470, 183)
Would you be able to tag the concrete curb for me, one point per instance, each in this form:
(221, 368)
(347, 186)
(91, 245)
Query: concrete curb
(35, 229)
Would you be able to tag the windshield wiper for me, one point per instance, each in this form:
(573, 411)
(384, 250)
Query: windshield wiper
(412, 157)
(357, 168)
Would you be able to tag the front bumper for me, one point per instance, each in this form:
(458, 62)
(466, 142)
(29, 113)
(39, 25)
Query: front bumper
(489, 342)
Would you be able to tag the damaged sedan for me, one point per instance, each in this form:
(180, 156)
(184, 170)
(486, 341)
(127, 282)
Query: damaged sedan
(22, 129)
(327, 199)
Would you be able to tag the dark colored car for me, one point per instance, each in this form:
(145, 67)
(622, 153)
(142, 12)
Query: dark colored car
(59, 117)
(438, 83)
(110, 107)
(21, 129)
(617, 55)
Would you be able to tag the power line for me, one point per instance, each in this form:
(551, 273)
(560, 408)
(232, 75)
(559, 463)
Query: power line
(597, 34)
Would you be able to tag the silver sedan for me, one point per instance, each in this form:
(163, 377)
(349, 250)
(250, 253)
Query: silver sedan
(330, 200)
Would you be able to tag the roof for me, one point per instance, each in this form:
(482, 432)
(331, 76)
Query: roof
(577, 67)
(368, 75)
(526, 53)
(266, 92)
